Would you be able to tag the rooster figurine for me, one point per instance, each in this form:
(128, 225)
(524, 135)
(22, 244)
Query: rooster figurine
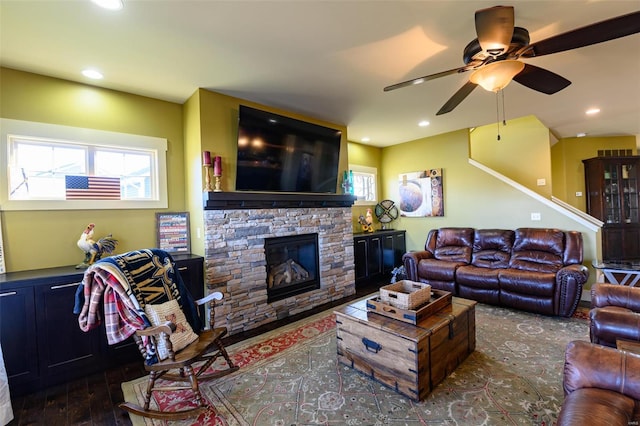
(366, 221)
(94, 250)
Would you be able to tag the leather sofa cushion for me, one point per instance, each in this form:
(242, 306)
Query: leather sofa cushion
(536, 249)
(454, 244)
(593, 406)
(440, 270)
(492, 248)
(526, 302)
(473, 276)
(603, 294)
(612, 322)
(527, 282)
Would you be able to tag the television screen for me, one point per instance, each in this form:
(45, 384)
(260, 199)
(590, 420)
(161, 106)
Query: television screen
(277, 153)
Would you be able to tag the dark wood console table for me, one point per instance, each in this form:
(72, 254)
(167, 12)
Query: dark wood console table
(377, 253)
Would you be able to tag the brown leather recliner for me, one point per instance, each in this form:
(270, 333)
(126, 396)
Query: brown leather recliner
(615, 313)
(445, 250)
(491, 254)
(601, 386)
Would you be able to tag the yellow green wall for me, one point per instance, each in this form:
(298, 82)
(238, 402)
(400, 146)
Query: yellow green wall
(42, 239)
(567, 167)
(194, 171)
(522, 153)
(369, 156)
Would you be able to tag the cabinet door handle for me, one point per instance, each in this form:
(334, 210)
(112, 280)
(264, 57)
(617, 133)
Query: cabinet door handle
(11, 293)
(56, 287)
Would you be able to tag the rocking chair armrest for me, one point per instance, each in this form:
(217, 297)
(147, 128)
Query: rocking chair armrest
(166, 328)
(213, 296)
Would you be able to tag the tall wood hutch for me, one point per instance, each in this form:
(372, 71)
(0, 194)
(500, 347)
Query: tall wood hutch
(612, 190)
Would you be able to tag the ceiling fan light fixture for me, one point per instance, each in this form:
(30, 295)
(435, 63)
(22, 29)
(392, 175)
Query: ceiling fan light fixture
(109, 4)
(496, 75)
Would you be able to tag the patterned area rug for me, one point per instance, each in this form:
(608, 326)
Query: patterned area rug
(290, 377)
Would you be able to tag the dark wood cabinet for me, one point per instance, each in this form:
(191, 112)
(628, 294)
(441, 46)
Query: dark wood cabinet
(611, 186)
(18, 333)
(41, 341)
(377, 253)
(63, 349)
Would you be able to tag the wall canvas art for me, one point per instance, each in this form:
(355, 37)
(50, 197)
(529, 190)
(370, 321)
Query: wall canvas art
(421, 193)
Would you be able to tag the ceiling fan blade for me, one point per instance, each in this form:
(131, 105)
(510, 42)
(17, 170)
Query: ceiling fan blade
(426, 78)
(599, 32)
(457, 97)
(494, 27)
(541, 80)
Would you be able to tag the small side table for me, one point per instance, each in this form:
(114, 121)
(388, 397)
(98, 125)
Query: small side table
(627, 273)
(628, 345)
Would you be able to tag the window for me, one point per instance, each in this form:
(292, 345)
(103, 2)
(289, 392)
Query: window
(364, 184)
(60, 167)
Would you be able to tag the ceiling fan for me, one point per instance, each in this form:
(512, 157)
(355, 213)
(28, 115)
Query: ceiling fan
(494, 57)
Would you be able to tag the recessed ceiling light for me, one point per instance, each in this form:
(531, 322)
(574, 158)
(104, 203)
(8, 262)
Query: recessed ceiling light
(109, 4)
(592, 111)
(423, 123)
(92, 74)
(581, 135)
(365, 139)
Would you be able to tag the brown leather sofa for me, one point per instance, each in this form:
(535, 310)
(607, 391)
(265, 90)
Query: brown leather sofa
(601, 386)
(615, 313)
(533, 269)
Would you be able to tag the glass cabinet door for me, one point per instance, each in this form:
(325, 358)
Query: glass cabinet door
(629, 184)
(612, 207)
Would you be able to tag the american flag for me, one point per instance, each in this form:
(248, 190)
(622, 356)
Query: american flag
(92, 188)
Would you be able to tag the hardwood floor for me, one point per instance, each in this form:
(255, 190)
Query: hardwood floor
(93, 400)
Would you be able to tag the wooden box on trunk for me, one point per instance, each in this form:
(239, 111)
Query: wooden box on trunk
(412, 359)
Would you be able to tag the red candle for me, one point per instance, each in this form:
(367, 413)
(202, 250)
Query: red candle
(217, 166)
(206, 158)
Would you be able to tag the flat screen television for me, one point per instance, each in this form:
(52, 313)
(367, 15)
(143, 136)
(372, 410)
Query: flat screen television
(282, 154)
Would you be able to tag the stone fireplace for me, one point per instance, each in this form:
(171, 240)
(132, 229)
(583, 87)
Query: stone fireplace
(238, 224)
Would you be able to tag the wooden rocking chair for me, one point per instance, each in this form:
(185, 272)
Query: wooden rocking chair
(205, 349)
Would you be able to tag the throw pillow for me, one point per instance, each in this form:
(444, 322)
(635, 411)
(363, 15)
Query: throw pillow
(170, 311)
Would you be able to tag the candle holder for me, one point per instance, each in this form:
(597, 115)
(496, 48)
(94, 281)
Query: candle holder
(207, 178)
(218, 184)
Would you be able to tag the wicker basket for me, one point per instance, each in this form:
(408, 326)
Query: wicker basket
(406, 294)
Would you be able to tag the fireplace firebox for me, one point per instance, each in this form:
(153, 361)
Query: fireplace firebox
(292, 265)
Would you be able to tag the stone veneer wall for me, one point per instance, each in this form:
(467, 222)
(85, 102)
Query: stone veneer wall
(236, 264)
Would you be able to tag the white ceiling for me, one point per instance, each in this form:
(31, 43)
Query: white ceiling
(329, 59)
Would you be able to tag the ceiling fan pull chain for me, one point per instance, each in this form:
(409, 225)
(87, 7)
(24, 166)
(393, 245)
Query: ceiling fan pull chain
(498, 115)
(504, 111)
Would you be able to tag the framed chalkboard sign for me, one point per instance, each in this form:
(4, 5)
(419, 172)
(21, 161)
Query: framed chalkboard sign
(173, 232)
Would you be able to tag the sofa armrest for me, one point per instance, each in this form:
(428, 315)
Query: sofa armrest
(411, 260)
(570, 281)
(588, 365)
(603, 294)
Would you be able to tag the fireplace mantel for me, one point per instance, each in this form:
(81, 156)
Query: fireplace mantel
(273, 200)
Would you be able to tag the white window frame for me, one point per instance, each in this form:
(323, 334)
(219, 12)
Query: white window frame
(28, 129)
(357, 169)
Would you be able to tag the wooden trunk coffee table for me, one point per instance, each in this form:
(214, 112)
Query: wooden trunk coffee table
(412, 359)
